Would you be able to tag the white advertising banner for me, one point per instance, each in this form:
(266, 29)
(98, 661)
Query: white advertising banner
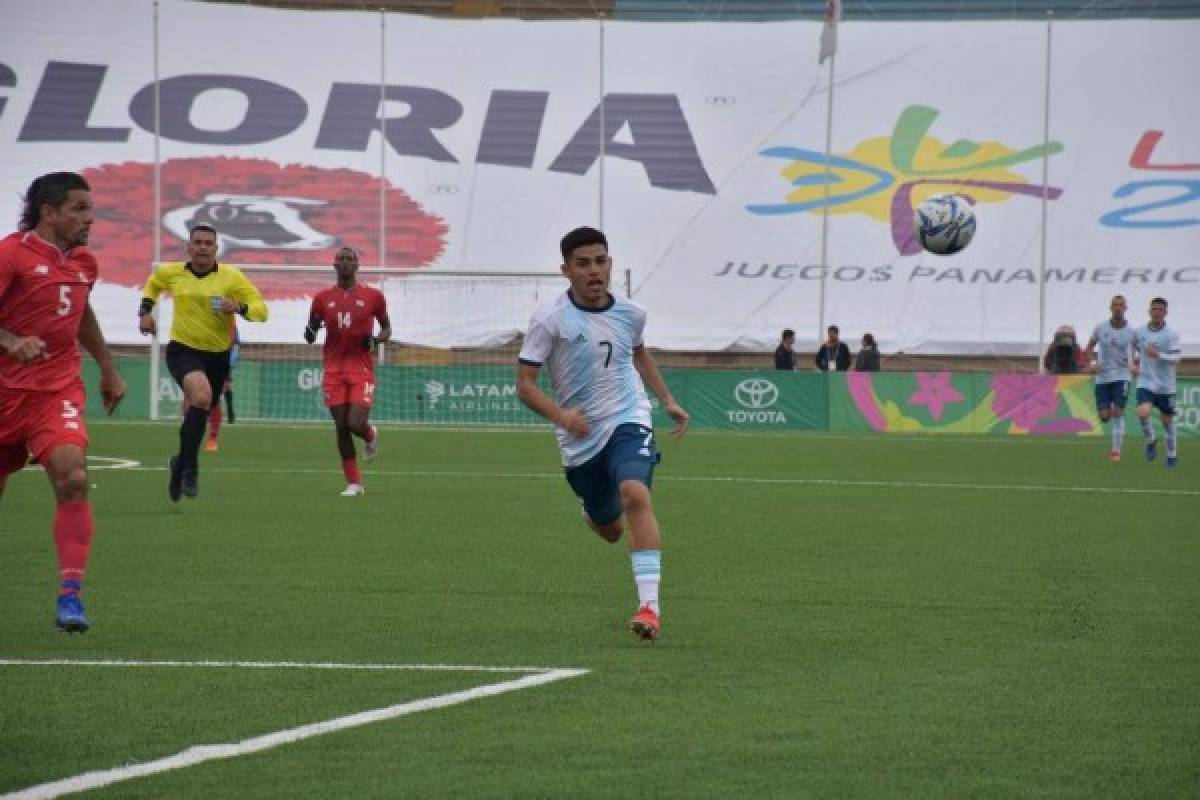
(473, 146)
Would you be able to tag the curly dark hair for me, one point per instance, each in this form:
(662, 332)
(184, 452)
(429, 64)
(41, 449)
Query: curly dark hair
(50, 189)
(580, 237)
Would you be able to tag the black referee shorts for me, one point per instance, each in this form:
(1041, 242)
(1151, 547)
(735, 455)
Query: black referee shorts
(182, 359)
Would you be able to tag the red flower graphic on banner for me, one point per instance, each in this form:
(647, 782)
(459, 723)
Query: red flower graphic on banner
(265, 214)
(1025, 400)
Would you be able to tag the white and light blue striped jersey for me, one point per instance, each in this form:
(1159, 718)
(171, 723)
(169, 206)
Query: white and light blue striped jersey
(588, 354)
(1114, 346)
(1158, 374)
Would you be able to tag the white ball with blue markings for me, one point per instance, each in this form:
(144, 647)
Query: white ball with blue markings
(944, 224)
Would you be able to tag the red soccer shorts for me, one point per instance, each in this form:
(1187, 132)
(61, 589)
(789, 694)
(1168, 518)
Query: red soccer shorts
(37, 422)
(342, 390)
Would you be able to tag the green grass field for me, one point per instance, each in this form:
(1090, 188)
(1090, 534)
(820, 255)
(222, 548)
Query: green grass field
(843, 617)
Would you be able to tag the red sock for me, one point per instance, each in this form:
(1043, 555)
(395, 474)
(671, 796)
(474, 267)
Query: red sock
(370, 437)
(350, 470)
(73, 528)
(214, 420)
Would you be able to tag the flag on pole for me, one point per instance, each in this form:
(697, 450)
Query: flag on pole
(833, 15)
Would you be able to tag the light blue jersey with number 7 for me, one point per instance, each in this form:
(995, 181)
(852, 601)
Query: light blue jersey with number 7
(588, 354)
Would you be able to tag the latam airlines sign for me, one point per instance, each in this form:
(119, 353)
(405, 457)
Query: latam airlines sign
(699, 148)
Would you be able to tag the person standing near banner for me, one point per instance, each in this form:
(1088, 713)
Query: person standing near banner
(46, 279)
(833, 353)
(207, 296)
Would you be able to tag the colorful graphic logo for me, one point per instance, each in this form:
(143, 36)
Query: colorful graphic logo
(265, 214)
(886, 177)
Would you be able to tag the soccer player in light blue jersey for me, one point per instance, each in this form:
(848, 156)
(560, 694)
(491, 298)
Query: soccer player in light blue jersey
(1116, 337)
(1160, 352)
(591, 343)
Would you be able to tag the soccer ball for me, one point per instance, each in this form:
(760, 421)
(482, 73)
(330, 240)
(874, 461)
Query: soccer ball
(944, 224)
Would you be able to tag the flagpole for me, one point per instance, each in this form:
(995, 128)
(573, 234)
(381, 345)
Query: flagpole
(825, 207)
(828, 49)
(1045, 196)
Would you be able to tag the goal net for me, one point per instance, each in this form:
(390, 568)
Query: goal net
(452, 358)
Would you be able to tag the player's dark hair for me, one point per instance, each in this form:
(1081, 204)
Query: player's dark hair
(203, 226)
(580, 237)
(833, 329)
(868, 340)
(50, 189)
(1159, 300)
(788, 333)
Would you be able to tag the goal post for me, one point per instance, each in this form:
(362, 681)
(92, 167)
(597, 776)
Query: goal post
(451, 359)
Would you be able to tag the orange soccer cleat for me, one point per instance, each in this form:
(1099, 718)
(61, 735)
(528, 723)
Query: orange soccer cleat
(211, 445)
(1114, 456)
(645, 624)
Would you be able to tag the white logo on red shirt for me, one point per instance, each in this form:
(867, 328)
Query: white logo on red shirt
(41, 269)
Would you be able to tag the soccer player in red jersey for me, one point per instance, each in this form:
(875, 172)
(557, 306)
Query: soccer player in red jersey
(46, 277)
(349, 311)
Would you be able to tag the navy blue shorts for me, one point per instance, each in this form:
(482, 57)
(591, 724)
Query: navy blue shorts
(1115, 393)
(629, 455)
(1163, 402)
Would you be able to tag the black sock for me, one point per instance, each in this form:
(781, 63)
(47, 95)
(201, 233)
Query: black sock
(191, 433)
(229, 406)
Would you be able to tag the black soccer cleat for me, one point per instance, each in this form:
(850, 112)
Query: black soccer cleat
(175, 481)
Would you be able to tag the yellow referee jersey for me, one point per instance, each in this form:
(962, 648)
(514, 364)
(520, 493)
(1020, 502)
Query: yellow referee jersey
(195, 324)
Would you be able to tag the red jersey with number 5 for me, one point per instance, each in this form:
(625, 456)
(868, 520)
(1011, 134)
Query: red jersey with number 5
(349, 317)
(43, 293)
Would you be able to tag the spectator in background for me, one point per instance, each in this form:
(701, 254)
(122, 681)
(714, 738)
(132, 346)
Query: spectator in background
(785, 354)
(1064, 356)
(867, 359)
(833, 354)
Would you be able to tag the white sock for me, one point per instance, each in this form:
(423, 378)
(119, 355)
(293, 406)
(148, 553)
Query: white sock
(1169, 425)
(1118, 433)
(647, 573)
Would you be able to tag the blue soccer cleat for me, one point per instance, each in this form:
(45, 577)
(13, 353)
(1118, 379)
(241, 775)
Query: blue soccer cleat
(190, 483)
(71, 618)
(1152, 449)
(1171, 460)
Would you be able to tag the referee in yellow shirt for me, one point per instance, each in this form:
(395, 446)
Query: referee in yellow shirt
(207, 295)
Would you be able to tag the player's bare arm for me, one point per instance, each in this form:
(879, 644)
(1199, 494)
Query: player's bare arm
(647, 367)
(22, 348)
(572, 420)
(91, 338)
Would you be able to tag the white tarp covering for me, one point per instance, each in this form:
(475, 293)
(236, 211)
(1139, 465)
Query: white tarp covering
(712, 188)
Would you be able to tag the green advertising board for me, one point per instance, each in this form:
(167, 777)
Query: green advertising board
(849, 402)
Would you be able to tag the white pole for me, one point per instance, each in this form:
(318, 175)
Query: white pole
(825, 209)
(1045, 197)
(603, 132)
(156, 225)
(383, 143)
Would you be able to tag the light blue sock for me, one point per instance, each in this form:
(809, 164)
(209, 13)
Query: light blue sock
(1147, 429)
(647, 573)
(1169, 425)
(1118, 433)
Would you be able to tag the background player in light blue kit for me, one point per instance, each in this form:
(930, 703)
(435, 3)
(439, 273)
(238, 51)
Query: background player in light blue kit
(1159, 351)
(1116, 337)
(591, 343)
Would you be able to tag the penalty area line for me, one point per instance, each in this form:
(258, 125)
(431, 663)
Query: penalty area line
(198, 754)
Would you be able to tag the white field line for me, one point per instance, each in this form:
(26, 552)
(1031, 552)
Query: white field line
(735, 479)
(199, 754)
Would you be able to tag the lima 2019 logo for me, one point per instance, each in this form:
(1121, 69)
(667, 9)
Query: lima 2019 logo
(886, 177)
(265, 214)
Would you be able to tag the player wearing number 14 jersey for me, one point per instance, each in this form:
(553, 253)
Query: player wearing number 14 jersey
(46, 277)
(348, 312)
